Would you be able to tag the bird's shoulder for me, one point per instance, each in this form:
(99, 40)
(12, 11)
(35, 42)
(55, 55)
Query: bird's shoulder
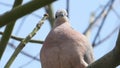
(63, 33)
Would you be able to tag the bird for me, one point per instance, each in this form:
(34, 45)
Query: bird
(65, 47)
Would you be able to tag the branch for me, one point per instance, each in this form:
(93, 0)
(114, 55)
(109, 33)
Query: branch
(92, 18)
(91, 24)
(8, 31)
(107, 37)
(68, 7)
(103, 21)
(21, 11)
(49, 10)
(27, 63)
(110, 60)
(25, 41)
(20, 39)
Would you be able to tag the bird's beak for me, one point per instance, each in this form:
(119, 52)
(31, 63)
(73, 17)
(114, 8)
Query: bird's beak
(62, 15)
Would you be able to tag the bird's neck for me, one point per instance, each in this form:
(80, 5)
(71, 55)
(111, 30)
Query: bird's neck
(60, 21)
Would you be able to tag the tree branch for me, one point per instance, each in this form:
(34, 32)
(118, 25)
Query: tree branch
(8, 31)
(25, 41)
(20, 39)
(22, 10)
(111, 59)
(91, 24)
(107, 37)
(68, 7)
(49, 10)
(103, 21)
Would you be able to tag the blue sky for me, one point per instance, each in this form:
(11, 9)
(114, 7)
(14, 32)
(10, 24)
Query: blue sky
(80, 11)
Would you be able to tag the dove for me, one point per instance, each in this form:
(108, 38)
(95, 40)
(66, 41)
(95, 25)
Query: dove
(65, 47)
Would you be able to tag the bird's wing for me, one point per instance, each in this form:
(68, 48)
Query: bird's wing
(88, 56)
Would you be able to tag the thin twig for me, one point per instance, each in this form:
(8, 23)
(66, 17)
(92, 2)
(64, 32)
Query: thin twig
(24, 53)
(28, 62)
(20, 39)
(25, 41)
(92, 17)
(68, 6)
(108, 36)
(19, 27)
(90, 26)
(103, 21)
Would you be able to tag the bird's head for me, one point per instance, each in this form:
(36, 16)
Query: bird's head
(61, 13)
(61, 17)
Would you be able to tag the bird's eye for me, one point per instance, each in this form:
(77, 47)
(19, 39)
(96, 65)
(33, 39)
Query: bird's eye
(56, 16)
(60, 15)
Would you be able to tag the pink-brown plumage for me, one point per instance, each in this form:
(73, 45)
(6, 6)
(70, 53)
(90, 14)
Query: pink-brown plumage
(64, 47)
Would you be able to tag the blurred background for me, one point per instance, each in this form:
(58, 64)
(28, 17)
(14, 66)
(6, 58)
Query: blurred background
(102, 16)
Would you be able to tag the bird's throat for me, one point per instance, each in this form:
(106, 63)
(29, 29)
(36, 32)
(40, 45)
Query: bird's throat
(60, 21)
